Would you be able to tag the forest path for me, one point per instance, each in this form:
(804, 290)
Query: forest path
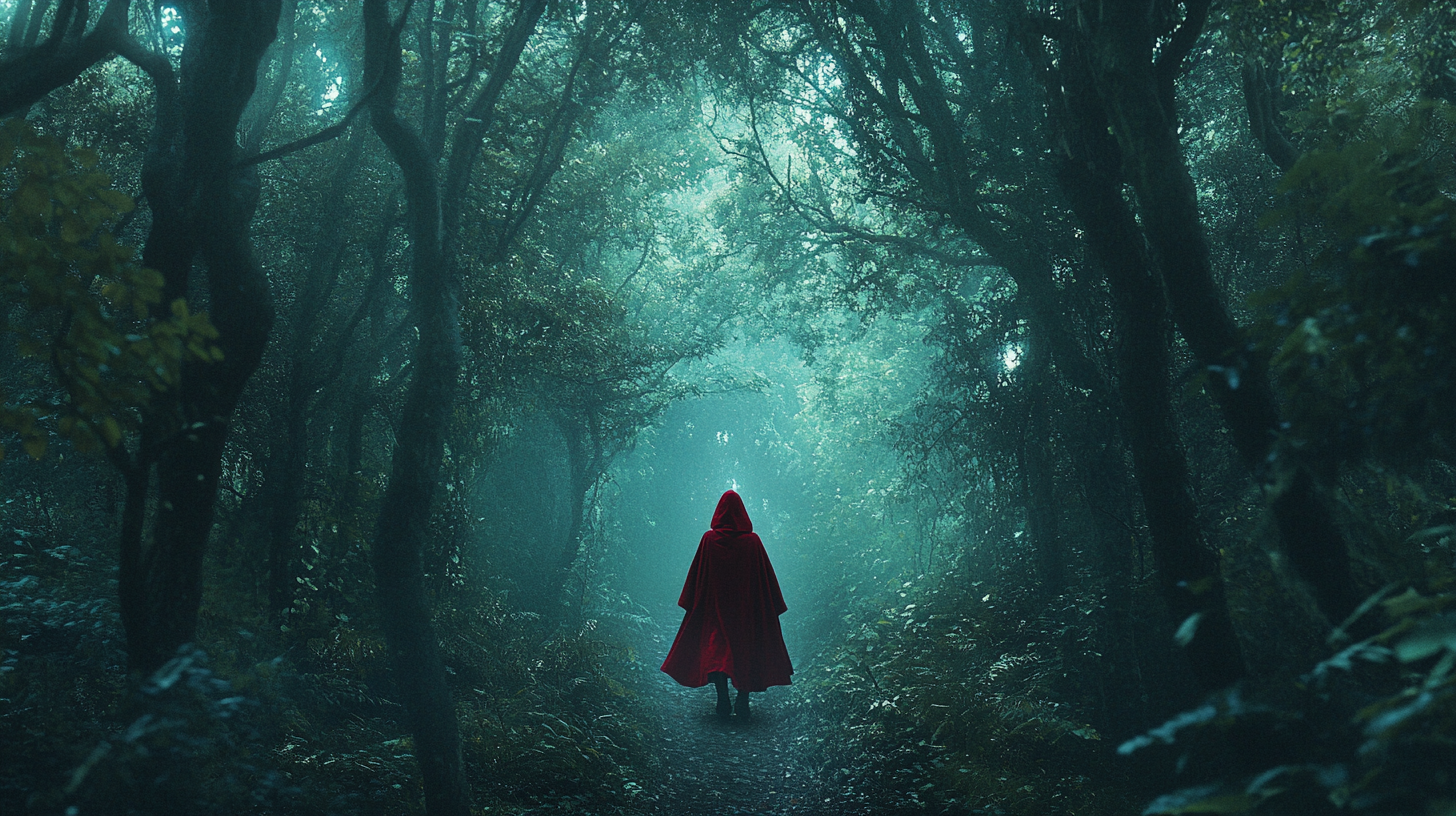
(733, 766)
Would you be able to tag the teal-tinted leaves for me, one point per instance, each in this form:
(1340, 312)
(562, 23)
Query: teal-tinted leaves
(1202, 799)
(1168, 732)
(1428, 638)
(1364, 342)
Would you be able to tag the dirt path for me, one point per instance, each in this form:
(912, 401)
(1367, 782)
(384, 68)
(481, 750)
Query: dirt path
(733, 766)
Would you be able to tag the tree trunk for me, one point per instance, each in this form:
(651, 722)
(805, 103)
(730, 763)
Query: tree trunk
(419, 669)
(586, 462)
(202, 206)
(1188, 570)
(1137, 97)
(1102, 468)
(286, 483)
(1038, 471)
(19, 22)
(1261, 95)
(289, 460)
(258, 114)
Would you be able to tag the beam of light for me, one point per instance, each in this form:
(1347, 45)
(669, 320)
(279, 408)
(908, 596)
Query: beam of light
(171, 30)
(171, 20)
(1011, 358)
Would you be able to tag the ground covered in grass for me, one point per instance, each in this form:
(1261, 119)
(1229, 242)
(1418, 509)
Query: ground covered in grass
(898, 719)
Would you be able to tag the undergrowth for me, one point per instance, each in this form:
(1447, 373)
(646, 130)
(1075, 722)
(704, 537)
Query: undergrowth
(295, 718)
(947, 703)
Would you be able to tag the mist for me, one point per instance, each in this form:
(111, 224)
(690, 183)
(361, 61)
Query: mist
(379, 382)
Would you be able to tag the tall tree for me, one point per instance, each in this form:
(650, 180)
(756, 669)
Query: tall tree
(435, 207)
(959, 120)
(1089, 171)
(201, 204)
(1134, 52)
(309, 368)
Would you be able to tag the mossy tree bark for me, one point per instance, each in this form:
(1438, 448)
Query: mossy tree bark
(1137, 94)
(404, 514)
(432, 218)
(1089, 162)
(202, 203)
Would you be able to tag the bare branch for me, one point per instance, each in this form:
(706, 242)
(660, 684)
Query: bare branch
(470, 133)
(331, 132)
(1259, 96)
(64, 56)
(1170, 60)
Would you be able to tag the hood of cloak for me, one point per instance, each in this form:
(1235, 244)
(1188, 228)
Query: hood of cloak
(731, 516)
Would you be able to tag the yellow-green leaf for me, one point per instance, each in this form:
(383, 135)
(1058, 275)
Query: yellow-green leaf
(35, 446)
(110, 431)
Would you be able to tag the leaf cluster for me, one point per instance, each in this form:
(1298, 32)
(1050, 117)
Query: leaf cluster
(193, 745)
(544, 722)
(1364, 731)
(1363, 340)
(81, 305)
(946, 701)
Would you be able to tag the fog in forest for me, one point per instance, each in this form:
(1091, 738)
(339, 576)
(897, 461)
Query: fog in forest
(380, 381)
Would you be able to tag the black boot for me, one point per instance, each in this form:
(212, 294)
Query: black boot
(740, 706)
(720, 680)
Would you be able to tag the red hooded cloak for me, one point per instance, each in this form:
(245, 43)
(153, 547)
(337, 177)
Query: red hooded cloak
(732, 602)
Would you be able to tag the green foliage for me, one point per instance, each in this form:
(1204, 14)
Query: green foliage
(568, 343)
(192, 748)
(947, 702)
(1364, 341)
(86, 307)
(61, 651)
(557, 728)
(644, 251)
(544, 723)
(1340, 49)
(1365, 731)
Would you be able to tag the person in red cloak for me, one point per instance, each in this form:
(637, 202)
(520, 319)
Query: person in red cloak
(732, 603)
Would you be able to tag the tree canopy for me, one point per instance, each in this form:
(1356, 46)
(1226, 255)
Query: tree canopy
(371, 370)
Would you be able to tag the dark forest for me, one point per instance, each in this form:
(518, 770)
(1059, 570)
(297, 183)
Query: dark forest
(371, 371)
